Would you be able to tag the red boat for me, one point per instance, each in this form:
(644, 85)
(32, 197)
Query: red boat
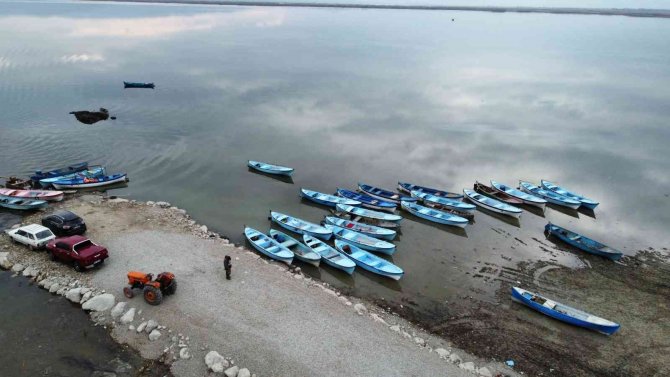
(495, 194)
(53, 196)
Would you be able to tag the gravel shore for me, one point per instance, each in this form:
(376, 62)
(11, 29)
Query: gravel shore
(267, 319)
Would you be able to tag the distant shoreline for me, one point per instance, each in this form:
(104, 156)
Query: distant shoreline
(628, 12)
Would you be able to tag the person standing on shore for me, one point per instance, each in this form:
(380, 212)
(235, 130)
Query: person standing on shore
(227, 266)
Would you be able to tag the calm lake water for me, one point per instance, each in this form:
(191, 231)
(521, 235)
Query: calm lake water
(353, 95)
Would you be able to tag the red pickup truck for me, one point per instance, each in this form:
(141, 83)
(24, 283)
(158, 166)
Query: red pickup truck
(79, 251)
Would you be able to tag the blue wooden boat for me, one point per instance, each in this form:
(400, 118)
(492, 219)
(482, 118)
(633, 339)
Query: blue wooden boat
(142, 85)
(586, 202)
(524, 197)
(362, 212)
(549, 196)
(362, 241)
(563, 312)
(382, 194)
(442, 202)
(367, 201)
(368, 230)
(583, 243)
(299, 250)
(22, 204)
(86, 182)
(326, 199)
(300, 226)
(434, 215)
(269, 168)
(329, 255)
(58, 172)
(91, 172)
(492, 204)
(369, 261)
(408, 188)
(268, 246)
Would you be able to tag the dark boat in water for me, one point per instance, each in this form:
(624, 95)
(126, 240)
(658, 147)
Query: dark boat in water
(138, 85)
(495, 194)
(58, 172)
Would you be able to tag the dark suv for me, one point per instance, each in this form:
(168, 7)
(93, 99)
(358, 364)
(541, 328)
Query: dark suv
(64, 223)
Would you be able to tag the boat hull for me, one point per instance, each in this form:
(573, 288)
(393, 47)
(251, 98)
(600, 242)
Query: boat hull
(326, 199)
(565, 237)
(366, 266)
(330, 256)
(288, 242)
(52, 196)
(554, 199)
(321, 234)
(456, 221)
(367, 201)
(526, 198)
(382, 194)
(585, 202)
(81, 184)
(496, 194)
(270, 169)
(604, 329)
(250, 233)
(441, 202)
(22, 204)
(407, 188)
(59, 172)
(359, 240)
(492, 208)
(369, 213)
(368, 230)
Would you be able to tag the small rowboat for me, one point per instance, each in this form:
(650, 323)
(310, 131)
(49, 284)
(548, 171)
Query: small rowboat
(367, 200)
(327, 200)
(408, 188)
(86, 182)
(299, 250)
(583, 243)
(549, 196)
(563, 312)
(369, 261)
(22, 204)
(142, 85)
(434, 215)
(91, 172)
(300, 226)
(382, 194)
(53, 196)
(270, 169)
(586, 202)
(59, 172)
(329, 255)
(362, 212)
(492, 204)
(361, 240)
(525, 197)
(495, 194)
(368, 230)
(441, 202)
(268, 246)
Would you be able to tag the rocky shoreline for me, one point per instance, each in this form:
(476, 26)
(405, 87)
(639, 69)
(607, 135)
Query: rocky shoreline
(160, 333)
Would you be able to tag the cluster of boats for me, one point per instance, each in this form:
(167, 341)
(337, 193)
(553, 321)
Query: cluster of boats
(45, 185)
(366, 223)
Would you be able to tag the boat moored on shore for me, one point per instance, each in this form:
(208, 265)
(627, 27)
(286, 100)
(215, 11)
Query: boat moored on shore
(586, 202)
(362, 241)
(583, 243)
(434, 215)
(523, 196)
(48, 195)
(549, 196)
(300, 226)
(367, 229)
(268, 246)
(492, 204)
(300, 251)
(367, 201)
(383, 194)
(326, 199)
(407, 188)
(362, 212)
(329, 255)
(368, 261)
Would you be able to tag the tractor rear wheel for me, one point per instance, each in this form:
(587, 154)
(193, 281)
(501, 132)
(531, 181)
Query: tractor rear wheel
(172, 288)
(128, 292)
(152, 295)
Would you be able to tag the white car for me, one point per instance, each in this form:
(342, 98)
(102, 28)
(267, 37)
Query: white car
(34, 236)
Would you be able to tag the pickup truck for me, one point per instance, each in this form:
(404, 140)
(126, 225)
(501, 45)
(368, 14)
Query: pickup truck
(79, 251)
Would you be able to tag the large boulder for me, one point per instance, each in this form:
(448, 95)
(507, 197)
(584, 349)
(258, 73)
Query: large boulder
(118, 309)
(128, 317)
(74, 295)
(215, 362)
(232, 371)
(100, 303)
(244, 372)
(5, 264)
(17, 267)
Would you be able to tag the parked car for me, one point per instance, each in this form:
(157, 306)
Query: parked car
(35, 236)
(64, 223)
(79, 251)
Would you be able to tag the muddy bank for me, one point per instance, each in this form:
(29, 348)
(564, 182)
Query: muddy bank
(634, 293)
(263, 320)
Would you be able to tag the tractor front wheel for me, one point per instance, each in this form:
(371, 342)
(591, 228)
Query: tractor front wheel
(153, 295)
(128, 292)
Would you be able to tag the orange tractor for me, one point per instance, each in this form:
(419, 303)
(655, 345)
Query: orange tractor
(153, 290)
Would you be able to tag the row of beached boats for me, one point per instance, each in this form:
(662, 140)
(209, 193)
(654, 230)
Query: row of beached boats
(47, 184)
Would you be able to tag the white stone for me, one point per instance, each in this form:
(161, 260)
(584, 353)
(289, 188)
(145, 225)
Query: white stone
(215, 362)
(61, 291)
(86, 296)
(54, 288)
(203, 228)
(74, 295)
(244, 372)
(395, 328)
(118, 309)
(232, 371)
(154, 335)
(150, 203)
(128, 317)
(484, 372)
(442, 353)
(141, 327)
(45, 283)
(184, 353)
(100, 303)
(151, 326)
(360, 309)
(163, 204)
(131, 328)
(469, 366)
(17, 267)
(419, 341)
(118, 200)
(4, 262)
(377, 318)
(406, 335)
(454, 358)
